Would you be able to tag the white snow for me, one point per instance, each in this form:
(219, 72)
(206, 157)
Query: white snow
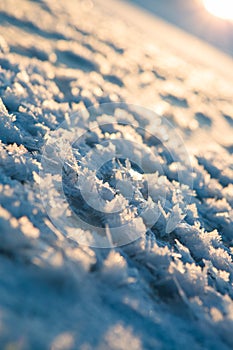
(115, 225)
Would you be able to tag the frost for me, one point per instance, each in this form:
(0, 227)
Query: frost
(3, 109)
(151, 213)
(115, 269)
(174, 218)
(117, 177)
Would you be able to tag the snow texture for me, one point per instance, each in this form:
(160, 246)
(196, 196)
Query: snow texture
(173, 286)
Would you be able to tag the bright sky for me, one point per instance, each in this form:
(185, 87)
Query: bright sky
(220, 8)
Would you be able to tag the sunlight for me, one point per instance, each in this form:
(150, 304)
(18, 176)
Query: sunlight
(220, 8)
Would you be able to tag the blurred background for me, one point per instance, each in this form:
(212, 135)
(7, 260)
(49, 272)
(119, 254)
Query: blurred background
(209, 20)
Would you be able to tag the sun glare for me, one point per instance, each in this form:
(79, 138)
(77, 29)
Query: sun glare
(220, 8)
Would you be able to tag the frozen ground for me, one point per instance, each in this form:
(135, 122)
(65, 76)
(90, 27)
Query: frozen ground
(171, 288)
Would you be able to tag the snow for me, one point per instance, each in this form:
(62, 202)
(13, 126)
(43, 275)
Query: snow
(116, 205)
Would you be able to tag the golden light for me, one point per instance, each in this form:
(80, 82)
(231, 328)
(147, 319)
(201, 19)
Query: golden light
(220, 8)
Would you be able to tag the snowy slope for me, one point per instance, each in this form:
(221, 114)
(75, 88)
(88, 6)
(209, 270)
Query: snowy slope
(172, 286)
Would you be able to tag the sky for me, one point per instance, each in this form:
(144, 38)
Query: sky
(193, 17)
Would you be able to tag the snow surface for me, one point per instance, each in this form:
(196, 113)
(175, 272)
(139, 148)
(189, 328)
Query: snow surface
(171, 287)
